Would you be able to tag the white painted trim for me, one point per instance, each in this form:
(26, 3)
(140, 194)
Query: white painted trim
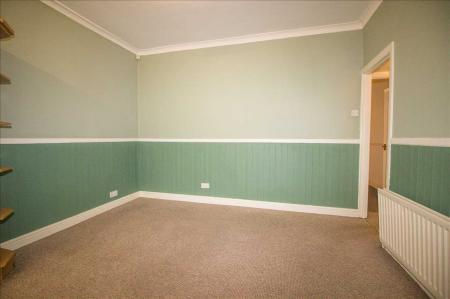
(62, 140)
(378, 60)
(243, 39)
(51, 229)
(364, 148)
(252, 204)
(369, 11)
(390, 113)
(251, 38)
(73, 15)
(337, 141)
(442, 142)
(87, 140)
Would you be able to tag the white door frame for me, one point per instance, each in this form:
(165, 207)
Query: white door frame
(364, 135)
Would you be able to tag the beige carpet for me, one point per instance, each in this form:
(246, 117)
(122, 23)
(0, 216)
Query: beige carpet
(153, 248)
(372, 213)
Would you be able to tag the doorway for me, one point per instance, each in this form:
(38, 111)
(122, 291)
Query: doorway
(377, 90)
(379, 103)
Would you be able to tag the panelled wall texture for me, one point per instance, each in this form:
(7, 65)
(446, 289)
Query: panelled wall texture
(52, 182)
(420, 31)
(422, 173)
(68, 82)
(311, 174)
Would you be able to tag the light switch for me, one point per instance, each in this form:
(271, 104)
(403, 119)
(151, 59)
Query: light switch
(354, 113)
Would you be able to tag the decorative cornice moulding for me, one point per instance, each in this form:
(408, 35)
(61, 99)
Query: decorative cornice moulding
(73, 15)
(252, 38)
(236, 40)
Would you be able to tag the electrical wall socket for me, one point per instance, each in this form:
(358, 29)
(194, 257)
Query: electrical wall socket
(204, 185)
(113, 193)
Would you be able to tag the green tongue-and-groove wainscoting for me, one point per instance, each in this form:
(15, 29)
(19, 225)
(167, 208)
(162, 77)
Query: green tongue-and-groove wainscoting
(422, 174)
(52, 182)
(64, 179)
(300, 173)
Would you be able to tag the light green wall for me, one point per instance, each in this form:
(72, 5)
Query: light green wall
(292, 88)
(311, 174)
(421, 33)
(67, 81)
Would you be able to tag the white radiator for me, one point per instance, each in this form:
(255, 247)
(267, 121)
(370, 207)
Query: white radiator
(419, 239)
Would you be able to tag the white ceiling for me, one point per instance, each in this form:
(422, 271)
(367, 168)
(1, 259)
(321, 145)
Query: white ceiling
(147, 27)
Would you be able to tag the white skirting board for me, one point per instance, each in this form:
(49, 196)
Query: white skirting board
(419, 240)
(48, 230)
(253, 204)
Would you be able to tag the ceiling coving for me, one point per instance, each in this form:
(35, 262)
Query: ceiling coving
(150, 27)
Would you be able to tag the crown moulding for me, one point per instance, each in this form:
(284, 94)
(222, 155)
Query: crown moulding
(243, 39)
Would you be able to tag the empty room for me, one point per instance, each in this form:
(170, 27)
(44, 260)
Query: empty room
(224, 149)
